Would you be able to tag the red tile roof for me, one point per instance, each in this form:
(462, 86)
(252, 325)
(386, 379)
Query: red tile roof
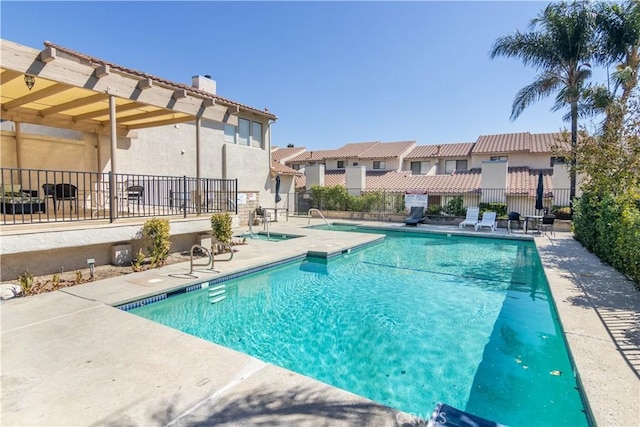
(546, 142)
(284, 170)
(387, 150)
(351, 150)
(312, 156)
(503, 143)
(189, 89)
(462, 149)
(521, 180)
(283, 153)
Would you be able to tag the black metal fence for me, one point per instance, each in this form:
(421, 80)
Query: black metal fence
(523, 202)
(36, 195)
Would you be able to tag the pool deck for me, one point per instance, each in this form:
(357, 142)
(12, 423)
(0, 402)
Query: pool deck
(70, 358)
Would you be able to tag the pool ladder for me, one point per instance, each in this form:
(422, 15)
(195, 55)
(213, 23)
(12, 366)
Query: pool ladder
(217, 293)
(319, 213)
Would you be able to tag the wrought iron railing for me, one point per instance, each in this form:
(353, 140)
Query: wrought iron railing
(36, 195)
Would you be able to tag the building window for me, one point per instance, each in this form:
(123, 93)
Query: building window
(418, 168)
(415, 168)
(341, 164)
(244, 131)
(295, 166)
(379, 165)
(256, 134)
(455, 165)
(499, 158)
(230, 133)
(557, 161)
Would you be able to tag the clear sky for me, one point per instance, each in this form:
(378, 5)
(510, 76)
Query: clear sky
(333, 72)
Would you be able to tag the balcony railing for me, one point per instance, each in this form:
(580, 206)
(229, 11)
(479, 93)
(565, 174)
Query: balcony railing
(36, 195)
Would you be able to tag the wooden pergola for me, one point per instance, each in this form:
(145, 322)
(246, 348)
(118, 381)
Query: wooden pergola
(62, 88)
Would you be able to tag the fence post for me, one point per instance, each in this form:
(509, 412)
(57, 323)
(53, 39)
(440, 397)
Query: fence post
(235, 201)
(184, 196)
(112, 197)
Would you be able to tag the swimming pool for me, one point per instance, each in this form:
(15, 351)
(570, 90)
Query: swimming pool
(412, 321)
(272, 237)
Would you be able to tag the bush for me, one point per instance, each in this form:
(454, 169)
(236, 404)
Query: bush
(456, 207)
(561, 212)
(156, 231)
(499, 208)
(337, 198)
(221, 225)
(610, 227)
(434, 210)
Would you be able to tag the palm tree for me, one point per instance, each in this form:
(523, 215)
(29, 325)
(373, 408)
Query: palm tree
(618, 41)
(560, 47)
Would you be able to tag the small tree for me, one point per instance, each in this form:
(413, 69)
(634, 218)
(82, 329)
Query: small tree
(221, 226)
(156, 231)
(456, 207)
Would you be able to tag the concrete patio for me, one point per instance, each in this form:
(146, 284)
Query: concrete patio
(70, 358)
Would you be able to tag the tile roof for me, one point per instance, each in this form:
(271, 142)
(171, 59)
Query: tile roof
(190, 89)
(283, 170)
(546, 142)
(353, 149)
(314, 156)
(462, 149)
(503, 143)
(284, 153)
(521, 180)
(387, 150)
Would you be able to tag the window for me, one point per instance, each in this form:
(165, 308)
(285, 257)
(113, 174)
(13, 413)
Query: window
(557, 161)
(256, 134)
(415, 168)
(295, 166)
(230, 133)
(455, 165)
(379, 165)
(244, 130)
(341, 164)
(499, 158)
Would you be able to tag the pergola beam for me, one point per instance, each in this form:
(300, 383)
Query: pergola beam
(9, 75)
(184, 119)
(105, 111)
(35, 96)
(76, 103)
(144, 116)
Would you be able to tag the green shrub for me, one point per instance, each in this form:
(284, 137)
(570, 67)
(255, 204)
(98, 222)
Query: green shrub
(221, 226)
(628, 243)
(499, 208)
(26, 282)
(585, 217)
(136, 264)
(456, 207)
(561, 212)
(156, 231)
(434, 210)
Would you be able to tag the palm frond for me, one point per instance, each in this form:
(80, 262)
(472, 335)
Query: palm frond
(542, 87)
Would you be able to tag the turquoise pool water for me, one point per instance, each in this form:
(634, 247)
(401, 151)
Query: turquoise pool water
(412, 321)
(272, 237)
(336, 226)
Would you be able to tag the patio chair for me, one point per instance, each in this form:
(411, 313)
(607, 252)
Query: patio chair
(65, 192)
(513, 217)
(488, 220)
(134, 193)
(415, 216)
(547, 224)
(471, 219)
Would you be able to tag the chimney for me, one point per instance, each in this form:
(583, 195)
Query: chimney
(205, 83)
(355, 179)
(493, 181)
(315, 175)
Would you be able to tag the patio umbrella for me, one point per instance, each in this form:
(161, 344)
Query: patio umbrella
(539, 193)
(278, 198)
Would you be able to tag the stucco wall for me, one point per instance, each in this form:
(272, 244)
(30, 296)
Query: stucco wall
(534, 161)
(251, 166)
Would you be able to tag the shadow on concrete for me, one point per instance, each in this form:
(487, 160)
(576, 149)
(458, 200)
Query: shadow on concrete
(297, 406)
(612, 296)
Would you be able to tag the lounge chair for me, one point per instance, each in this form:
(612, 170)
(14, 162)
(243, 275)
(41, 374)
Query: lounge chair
(514, 217)
(415, 216)
(472, 217)
(488, 220)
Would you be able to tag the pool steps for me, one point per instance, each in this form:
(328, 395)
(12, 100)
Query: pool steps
(217, 293)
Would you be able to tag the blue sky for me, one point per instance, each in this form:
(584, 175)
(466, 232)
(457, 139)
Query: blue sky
(333, 72)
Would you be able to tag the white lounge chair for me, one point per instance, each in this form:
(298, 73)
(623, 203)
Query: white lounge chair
(472, 217)
(488, 220)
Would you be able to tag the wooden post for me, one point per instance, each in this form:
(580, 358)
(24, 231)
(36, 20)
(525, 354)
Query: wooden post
(113, 201)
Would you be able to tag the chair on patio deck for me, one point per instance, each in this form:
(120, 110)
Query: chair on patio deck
(547, 224)
(472, 217)
(488, 220)
(415, 216)
(514, 217)
(134, 193)
(65, 192)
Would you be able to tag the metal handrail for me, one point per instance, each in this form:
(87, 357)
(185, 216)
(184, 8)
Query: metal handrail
(207, 251)
(319, 213)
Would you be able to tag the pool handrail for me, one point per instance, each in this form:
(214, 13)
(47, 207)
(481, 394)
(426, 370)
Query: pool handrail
(319, 213)
(202, 248)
